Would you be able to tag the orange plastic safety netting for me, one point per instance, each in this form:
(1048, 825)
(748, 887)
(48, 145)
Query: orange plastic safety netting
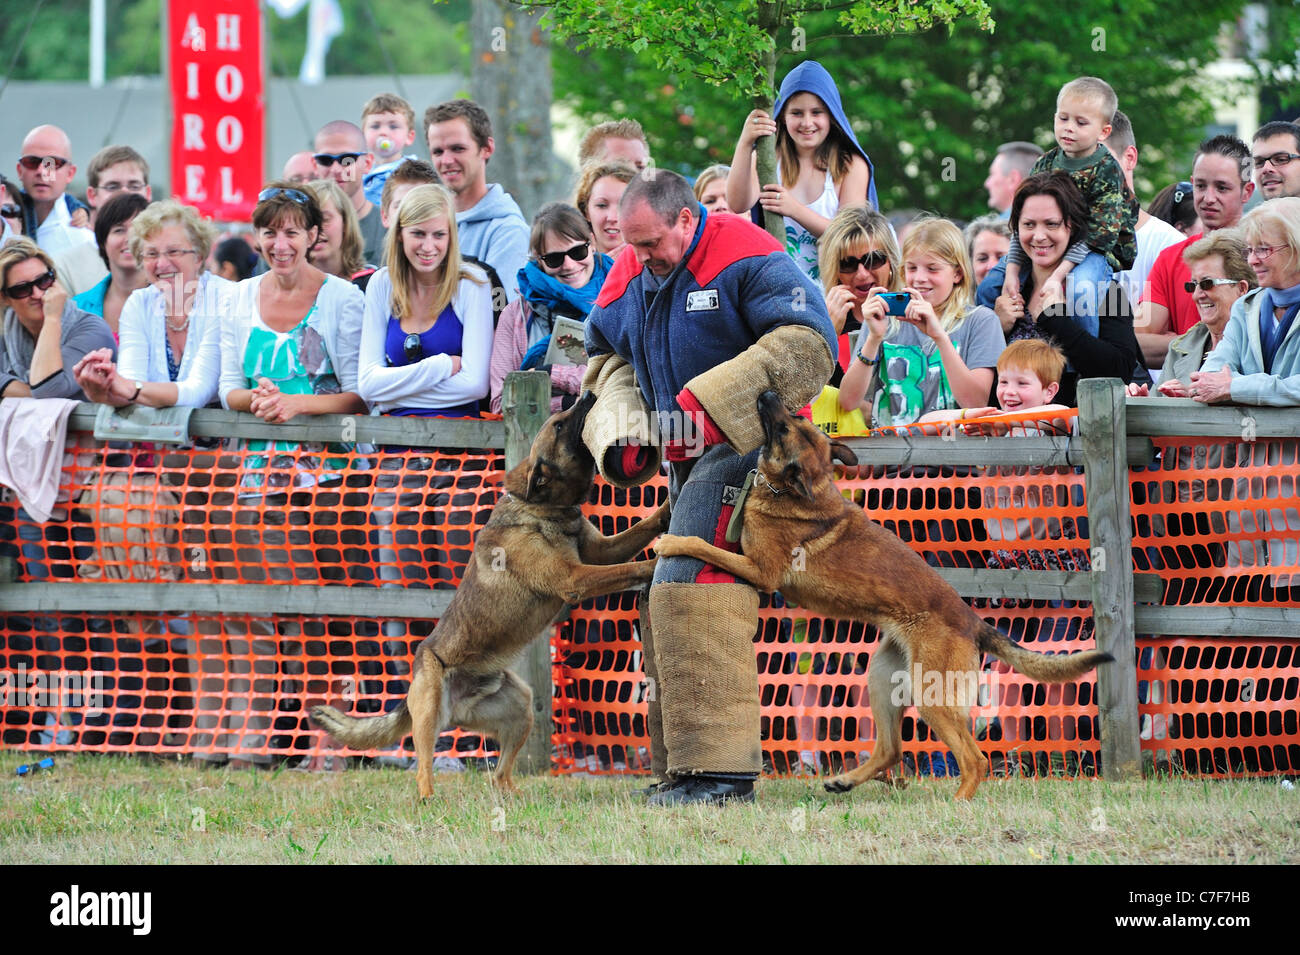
(237, 683)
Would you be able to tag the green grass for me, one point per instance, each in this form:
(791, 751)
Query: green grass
(105, 809)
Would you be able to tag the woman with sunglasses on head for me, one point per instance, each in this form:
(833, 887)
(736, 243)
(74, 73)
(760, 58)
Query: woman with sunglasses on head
(427, 337)
(563, 279)
(170, 331)
(45, 335)
(289, 341)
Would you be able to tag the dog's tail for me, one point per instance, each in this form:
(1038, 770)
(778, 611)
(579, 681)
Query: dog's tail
(367, 732)
(1044, 667)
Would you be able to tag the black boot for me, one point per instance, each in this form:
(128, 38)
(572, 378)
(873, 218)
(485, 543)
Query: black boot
(713, 790)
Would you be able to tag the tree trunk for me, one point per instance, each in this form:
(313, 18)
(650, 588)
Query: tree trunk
(511, 79)
(769, 21)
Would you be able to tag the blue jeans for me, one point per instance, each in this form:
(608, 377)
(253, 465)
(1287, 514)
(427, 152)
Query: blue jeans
(1084, 288)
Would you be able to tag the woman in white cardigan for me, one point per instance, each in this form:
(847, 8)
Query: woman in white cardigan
(169, 331)
(289, 337)
(426, 343)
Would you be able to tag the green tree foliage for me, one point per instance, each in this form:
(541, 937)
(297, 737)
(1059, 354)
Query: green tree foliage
(380, 36)
(932, 108)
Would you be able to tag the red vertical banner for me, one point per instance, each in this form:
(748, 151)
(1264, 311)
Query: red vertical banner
(217, 94)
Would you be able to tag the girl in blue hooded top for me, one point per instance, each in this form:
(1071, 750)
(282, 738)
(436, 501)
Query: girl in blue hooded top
(820, 163)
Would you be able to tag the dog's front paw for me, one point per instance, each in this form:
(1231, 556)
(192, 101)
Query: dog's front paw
(671, 545)
(837, 784)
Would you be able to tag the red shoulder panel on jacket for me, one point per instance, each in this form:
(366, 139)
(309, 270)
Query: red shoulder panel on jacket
(624, 270)
(727, 239)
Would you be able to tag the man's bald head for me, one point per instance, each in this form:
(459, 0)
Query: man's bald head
(300, 168)
(350, 160)
(45, 165)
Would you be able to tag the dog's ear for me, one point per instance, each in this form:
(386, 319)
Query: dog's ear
(843, 454)
(516, 482)
(794, 476)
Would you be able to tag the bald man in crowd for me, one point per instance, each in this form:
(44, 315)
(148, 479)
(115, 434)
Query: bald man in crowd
(342, 155)
(300, 168)
(45, 169)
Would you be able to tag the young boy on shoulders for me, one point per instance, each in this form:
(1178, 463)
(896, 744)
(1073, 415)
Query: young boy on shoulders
(388, 123)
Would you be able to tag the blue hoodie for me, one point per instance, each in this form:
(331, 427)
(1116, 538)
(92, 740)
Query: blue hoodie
(811, 77)
(494, 231)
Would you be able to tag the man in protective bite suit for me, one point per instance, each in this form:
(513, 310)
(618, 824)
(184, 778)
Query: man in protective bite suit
(699, 316)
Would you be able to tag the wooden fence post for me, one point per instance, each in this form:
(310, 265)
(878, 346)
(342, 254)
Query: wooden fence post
(526, 404)
(1103, 427)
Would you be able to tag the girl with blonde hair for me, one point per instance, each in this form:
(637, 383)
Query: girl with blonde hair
(426, 341)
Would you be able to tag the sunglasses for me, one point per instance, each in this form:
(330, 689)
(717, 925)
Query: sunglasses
(24, 289)
(1207, 285)
(413, 348)
(871, 261)
(329, 159)
(36, 162)
(579, 253)
(1182, 191)
(11, 212)
(293, 195)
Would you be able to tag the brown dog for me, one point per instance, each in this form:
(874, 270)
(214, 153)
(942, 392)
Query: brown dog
(801, 537)
(535, 554)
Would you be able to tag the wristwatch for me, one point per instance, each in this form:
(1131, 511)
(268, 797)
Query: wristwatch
(136, 394)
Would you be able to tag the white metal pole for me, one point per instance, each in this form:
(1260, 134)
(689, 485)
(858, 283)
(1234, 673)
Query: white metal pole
(96, 44)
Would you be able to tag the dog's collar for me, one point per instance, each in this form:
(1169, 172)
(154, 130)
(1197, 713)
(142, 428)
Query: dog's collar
(759, 479)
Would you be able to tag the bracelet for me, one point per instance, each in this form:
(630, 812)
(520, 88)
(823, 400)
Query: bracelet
(963, 415)
(868, 361)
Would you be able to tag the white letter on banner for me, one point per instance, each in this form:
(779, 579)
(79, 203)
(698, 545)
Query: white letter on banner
(191, 81)
(229, 194)
(193, 125)
(230, 134)
(227, 31)
(194, 184)
(230, 83)
(194, 37)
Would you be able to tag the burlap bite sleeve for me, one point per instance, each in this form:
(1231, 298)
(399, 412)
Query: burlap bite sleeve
(793, 360)
(708, 676)
(619, 413)
(654, 716)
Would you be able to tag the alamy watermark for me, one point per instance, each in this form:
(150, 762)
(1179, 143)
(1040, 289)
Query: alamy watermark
(52, 689)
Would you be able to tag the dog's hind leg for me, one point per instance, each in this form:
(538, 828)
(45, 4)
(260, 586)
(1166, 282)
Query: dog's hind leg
(946, 709)
(506, 715)
(424, 700)
(889, 687)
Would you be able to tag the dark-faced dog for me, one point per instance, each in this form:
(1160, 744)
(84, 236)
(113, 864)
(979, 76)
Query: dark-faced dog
(535, 554)
(801, 537)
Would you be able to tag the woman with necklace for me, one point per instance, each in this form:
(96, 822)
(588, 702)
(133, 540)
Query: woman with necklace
(169, 331)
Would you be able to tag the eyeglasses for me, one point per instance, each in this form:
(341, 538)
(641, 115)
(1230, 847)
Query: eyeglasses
(135, 185)
(1206, 285)
(1182, 191)
(36, 162)
(153, 255)
(329, 159)
(413, 348)
(1262, 252)
(579, 253)
(1277, 159)
(11, 211)
(24, 289)
(871, 261)
(293, 195)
